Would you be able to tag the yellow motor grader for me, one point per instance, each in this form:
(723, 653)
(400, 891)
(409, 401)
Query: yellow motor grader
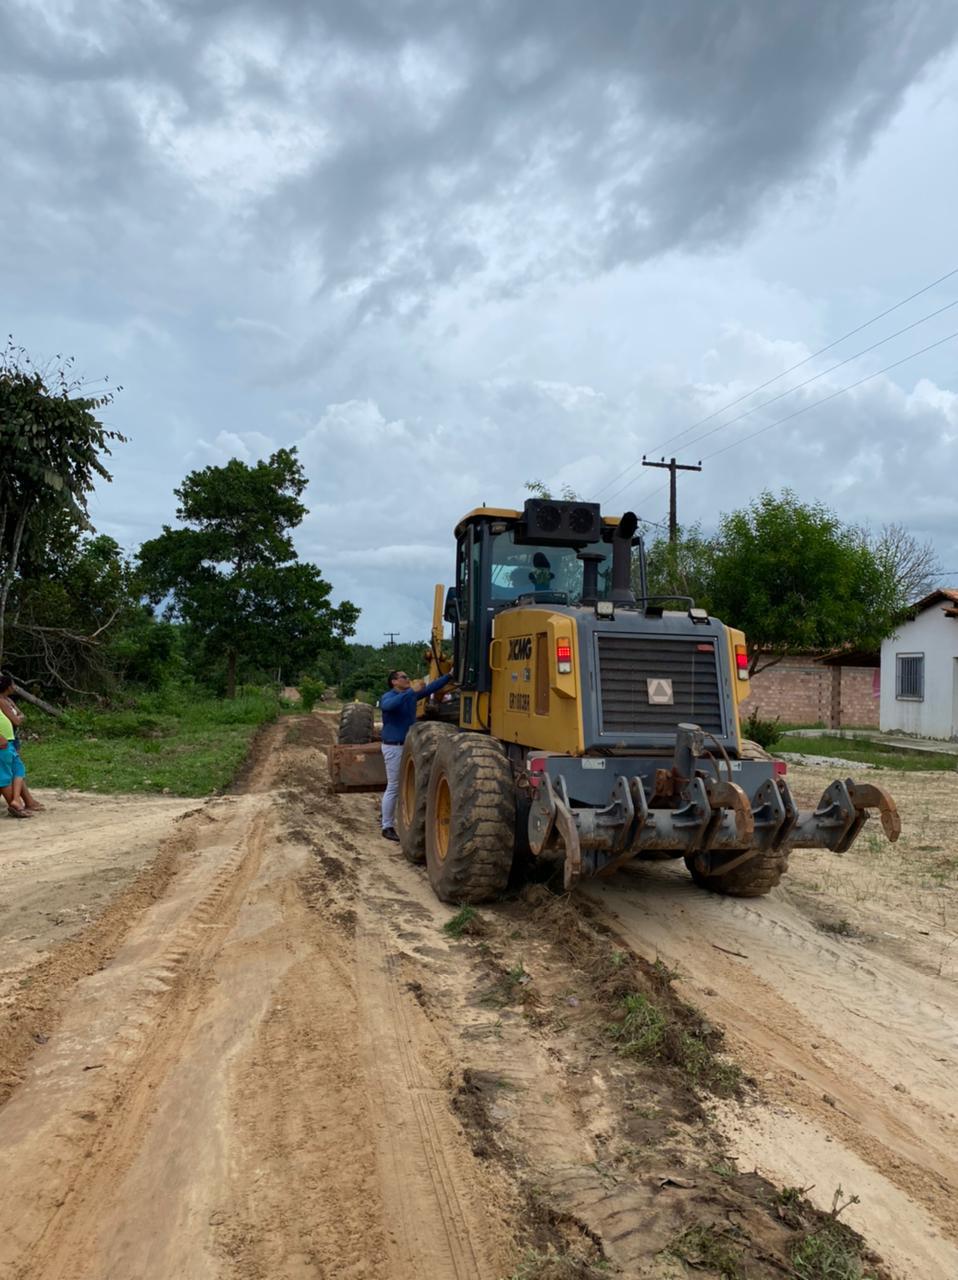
(589, 724)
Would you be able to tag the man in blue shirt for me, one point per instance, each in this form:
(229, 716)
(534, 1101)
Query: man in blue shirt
(398, 705)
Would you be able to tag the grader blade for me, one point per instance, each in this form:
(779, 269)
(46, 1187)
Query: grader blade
(357, 768)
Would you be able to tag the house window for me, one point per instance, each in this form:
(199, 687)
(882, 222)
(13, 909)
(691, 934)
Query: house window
(910, 676)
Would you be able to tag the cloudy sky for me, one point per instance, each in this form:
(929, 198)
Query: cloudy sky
(447, 247)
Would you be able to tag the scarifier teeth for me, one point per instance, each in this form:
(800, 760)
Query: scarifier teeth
(865, 795)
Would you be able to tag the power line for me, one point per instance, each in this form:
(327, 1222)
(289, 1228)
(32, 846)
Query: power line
(785, 372)
(805, 408)
(841, 391)
(816, 377)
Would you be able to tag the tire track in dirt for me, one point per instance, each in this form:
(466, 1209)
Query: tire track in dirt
(140, 1033)
(831, 1033)
(207, 1108)
(542, 1101)
(416, 1132)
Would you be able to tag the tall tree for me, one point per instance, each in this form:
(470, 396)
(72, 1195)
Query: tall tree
(912, 567)
(681, 568)
(233, 575)
(74, 597)
(52, 445)
(792, 576)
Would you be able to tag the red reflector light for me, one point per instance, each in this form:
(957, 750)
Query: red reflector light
(704, 648)
(780, 768)
(741, 660)
(564, 652)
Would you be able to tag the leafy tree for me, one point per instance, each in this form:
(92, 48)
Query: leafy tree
(682, 568)
(68, 607)
(792, 576)
(232, 574)
(365, 668)
(539, 489)
(52, 445)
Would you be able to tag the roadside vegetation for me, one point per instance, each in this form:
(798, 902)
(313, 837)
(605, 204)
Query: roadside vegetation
(867, 751)
(177, 742)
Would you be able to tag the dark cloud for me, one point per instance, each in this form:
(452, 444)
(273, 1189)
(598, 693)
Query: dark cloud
(436, 142)
(446, 248)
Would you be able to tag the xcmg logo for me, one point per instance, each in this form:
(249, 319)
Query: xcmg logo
(520, 649)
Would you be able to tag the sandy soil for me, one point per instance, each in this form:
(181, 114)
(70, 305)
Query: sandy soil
(838, 994)
(237, 1042)
(58, 870)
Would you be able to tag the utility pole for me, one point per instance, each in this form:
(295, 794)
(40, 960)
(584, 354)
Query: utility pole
(672, 467)
(392, 636)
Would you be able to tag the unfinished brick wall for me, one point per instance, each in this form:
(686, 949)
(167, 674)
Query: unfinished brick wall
(800, 691)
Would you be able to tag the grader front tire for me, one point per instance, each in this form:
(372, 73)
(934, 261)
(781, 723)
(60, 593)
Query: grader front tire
(356, 724)
(419, 749)
(470, 819)
(752, 879)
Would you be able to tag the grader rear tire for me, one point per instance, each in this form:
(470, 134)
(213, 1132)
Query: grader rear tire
(752, 751)
(470, 819)
(752, 879)
(356, 724)
(419, 749)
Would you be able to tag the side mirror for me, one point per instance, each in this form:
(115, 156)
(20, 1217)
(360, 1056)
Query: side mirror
(451, 611)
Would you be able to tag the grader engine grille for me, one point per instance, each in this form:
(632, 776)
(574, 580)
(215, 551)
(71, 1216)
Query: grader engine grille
(650, 684)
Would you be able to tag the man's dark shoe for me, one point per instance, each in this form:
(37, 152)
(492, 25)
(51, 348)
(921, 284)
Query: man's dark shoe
(389, 833)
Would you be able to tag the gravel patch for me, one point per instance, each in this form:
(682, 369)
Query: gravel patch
(798, 757)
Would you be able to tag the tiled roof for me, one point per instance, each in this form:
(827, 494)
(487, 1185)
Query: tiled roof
(943, 595)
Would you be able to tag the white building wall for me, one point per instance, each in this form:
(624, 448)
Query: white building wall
(936, 636)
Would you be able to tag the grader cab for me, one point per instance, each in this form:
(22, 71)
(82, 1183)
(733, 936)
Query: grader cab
(591, 724)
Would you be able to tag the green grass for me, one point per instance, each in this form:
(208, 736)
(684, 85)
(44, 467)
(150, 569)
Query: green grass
(646, 1032)
(550, 1265)
(465, 921)
(705, 1247)
(181, 744)
(827, 1255)
(886, 757)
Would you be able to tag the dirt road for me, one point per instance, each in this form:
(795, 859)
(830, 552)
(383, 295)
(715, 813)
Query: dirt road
(838, 994)
(259, 1054)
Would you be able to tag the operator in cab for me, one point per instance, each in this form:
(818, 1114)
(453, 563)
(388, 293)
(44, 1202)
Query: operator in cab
(398, 705)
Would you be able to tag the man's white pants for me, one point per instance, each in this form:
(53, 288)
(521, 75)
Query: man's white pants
(391, 755)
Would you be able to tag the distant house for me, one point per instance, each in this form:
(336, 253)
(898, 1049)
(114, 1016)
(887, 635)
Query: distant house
(919, 670)
(837, 689)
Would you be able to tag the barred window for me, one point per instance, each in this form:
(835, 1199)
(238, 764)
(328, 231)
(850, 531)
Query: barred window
(910, 676)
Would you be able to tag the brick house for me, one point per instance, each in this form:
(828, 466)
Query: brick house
(838, 690)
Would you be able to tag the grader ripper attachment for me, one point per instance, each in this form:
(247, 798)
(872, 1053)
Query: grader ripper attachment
(591, 724)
